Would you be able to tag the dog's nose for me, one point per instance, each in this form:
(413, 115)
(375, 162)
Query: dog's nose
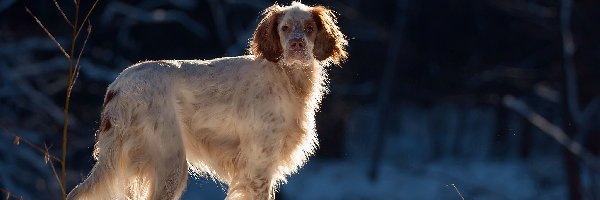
(297, 44)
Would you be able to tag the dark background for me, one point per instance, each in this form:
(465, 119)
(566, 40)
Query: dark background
(416, 112)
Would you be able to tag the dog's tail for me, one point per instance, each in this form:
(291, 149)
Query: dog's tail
(106, 178)
(97, 185)
(102, 182)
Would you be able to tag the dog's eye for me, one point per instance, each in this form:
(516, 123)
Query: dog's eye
(309, 29)
(284, 28)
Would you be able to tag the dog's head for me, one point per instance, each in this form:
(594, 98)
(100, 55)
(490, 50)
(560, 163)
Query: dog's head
(298, 34)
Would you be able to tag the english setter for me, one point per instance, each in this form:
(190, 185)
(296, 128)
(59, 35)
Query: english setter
(246, 121)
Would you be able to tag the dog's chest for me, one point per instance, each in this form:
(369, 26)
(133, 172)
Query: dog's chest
(270, 99)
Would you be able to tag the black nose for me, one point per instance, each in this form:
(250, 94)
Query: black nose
(297, 44)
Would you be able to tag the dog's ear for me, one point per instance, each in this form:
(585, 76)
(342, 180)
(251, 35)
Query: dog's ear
(265, 40)
(330, 42)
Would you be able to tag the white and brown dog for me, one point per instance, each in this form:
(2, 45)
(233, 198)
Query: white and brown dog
(246, 121)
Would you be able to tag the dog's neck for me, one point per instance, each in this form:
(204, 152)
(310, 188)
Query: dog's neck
(306, 79)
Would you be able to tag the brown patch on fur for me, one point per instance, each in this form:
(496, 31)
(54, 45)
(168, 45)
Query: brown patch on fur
(330, 41)
(270, 89)
(104, 124)
(109, 96)
(265, 40)
(155, 126)
(259, 184)
(105, 121)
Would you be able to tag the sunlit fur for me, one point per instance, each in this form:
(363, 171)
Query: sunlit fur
(246, 121)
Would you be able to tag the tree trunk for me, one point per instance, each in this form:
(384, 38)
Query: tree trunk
(386, 88)
(570, 100)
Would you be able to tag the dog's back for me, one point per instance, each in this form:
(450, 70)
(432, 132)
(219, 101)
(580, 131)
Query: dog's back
(247, 121)
(225, 117)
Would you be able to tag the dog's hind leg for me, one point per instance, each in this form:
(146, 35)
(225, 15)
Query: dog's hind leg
(166, 154)
(170, 178)
(102, 183)
(153, 175)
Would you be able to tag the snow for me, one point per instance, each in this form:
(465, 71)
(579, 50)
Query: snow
(202, 188)
(324, 179)
(343, 179)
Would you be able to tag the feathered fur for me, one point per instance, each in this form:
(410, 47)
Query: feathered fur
(246, 121)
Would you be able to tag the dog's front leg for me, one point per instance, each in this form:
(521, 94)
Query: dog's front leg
(251, 184)
(255, 178)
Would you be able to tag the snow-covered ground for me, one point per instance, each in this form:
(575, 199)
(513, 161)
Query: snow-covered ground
(493, 180)
(474, 180)
(201, 188)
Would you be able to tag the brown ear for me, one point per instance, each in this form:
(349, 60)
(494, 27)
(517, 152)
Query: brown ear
(330, 42)
(265, 40)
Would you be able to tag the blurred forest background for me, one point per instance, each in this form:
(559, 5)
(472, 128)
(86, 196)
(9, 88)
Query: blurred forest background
(436, 100)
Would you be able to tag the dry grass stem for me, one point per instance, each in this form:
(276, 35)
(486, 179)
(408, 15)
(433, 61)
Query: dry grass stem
(77, 66)
(48, 33)
(62, 187)
(63, 14)
(18, 139)
(73, 73)
(85, 19)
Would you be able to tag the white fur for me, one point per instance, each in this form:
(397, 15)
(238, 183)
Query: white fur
(244, 121)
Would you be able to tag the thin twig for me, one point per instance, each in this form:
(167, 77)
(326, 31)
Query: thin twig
(29, 143)
(73, 72)
(62, 188)
(85, 19)
(457, 191)
(48, 33)
(67, 100)
(48, 158)
(77, 66)
(554, 131)
(63, 14)
(8, 194)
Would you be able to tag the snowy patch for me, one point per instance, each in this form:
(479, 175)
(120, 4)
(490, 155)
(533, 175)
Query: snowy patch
(475, 180)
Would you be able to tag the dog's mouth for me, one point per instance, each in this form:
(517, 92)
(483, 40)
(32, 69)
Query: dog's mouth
(295, 57)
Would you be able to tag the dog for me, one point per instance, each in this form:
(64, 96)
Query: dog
(246, 121)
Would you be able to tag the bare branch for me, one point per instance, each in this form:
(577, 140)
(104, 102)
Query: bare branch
(568, 63)
(457, 191)
(86, 18)
(8, 194)
(62, 187)
(48, 33)
(77, 66)
(63, 14)
(554, 131)
(29, 143)
(63, 163)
